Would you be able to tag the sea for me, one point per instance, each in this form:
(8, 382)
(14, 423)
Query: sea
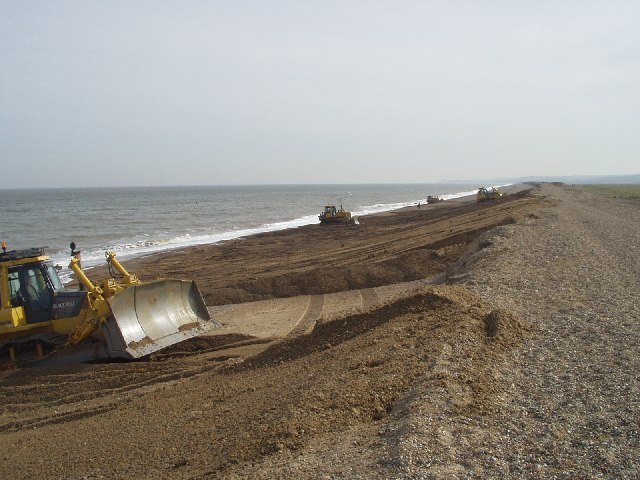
(136, 221)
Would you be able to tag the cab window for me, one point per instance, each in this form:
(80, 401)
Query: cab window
(56, 283)
(37, 286)
(15, 296)
(29, 285)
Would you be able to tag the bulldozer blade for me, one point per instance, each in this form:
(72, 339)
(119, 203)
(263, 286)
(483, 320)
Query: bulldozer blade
(149, 317)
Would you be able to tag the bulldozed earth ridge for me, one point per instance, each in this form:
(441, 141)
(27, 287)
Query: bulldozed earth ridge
(387, 248)
(329, 336)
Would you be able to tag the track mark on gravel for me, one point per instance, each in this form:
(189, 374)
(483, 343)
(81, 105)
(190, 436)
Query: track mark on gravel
(63, 417)
(369, 298)
(310, 316)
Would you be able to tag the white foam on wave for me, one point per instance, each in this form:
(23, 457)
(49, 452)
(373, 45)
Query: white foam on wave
(387, 207)
(146, 247)
(451, 196)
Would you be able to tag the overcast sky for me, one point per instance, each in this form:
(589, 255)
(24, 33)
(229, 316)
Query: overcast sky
(101, 93)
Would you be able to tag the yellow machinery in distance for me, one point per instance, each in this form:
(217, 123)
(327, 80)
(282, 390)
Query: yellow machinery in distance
(486, 194)
(123, 318)
(332, 215)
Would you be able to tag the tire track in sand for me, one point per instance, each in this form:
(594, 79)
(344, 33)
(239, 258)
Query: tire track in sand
(309, 317)
(369, 298)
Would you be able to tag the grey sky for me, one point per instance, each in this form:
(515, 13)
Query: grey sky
(99, 93)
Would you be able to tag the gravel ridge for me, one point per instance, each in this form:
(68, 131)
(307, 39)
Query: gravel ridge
(568, 405)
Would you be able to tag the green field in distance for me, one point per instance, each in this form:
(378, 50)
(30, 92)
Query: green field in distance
(621, 190)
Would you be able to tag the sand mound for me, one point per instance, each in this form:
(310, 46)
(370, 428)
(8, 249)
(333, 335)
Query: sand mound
(348, 373)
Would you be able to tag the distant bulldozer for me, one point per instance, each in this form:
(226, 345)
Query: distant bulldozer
(333, 215)
(486, 194)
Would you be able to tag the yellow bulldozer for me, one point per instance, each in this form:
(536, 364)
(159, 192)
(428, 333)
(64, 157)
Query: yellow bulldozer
(485, 194)
(40, 320)
(332, 215)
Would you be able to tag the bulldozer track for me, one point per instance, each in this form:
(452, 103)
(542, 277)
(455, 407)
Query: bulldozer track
(182, 354)
(59, 418)
(72, 396)
(97, 392)
(369, 298)
(309, 317)
(100, 400)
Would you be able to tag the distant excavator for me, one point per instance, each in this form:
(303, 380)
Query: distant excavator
(116, 318)
(332, 215)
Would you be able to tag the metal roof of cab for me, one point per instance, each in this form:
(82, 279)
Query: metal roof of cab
(21, 254)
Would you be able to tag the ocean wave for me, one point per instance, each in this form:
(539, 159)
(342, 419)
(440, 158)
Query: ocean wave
(93, 258)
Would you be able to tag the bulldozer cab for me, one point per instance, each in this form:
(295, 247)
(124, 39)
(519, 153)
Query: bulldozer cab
(30, 288)
(38, 289)
(330, 210)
